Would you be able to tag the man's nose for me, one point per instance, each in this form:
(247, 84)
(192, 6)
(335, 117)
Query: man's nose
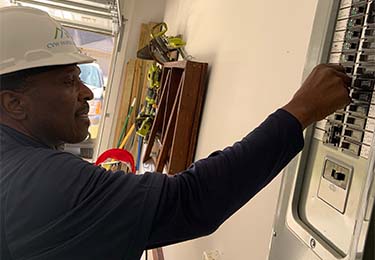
(85, 92)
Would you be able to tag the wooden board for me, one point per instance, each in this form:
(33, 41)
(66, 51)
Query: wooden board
(125, 98)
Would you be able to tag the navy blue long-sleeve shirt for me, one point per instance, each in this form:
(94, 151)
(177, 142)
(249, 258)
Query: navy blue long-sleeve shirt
(57, 206)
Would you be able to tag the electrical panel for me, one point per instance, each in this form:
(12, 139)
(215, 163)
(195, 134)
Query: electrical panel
(351, 130)
(328, 191)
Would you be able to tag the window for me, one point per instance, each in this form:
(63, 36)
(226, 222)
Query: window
(92, 15)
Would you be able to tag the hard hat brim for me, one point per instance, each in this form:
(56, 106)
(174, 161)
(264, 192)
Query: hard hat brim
(56, 59)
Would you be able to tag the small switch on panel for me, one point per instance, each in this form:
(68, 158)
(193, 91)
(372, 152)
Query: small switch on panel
(364, 83)
(362, 96)
(371, 14)
(350, 120)
(368, 44)
(370, 32)
(348, 132)
(360, 109)
(358, 10)
(333, 134)
(338, 175)
(339, 117)
(334, 184)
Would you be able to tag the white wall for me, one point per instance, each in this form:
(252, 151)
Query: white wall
(257, 51)
(4, 3)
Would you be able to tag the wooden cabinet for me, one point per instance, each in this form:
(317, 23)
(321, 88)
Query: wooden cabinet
(173, 137)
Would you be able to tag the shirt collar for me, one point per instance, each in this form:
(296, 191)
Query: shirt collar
(11, 136)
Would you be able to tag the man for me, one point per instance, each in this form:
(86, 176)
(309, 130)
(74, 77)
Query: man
(57, 206)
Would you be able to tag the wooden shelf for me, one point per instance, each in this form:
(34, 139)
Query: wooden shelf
(176, 124)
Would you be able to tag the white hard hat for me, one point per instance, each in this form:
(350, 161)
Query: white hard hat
(30, 38)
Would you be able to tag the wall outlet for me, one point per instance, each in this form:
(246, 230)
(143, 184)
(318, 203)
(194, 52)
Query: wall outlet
(212, 255)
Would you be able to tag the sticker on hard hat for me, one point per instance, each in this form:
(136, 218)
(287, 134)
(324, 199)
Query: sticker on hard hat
(60, 33)
(59, 44)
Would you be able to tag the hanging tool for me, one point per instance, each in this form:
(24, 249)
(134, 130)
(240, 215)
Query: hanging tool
(146, 117)
(153, 76)
(162, 48)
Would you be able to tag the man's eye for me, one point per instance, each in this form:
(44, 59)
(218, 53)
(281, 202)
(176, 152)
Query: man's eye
(69, 81)
(73, 81)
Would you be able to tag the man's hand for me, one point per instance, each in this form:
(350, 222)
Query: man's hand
(324, 91)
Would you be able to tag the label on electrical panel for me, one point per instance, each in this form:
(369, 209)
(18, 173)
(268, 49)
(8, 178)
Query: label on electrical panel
(367, 138)
(365, 151)
(341, 25)
(321, 124)
(339, 36)
(345, 3)
(344, 13)
(371, 111)
(319, 134)
(370, 126)
(335, 58)
(337, 47)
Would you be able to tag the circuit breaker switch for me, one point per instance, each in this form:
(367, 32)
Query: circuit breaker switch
(359, 109)
(338, 175)
(333, 134)
(356, 122)
(339, 117)
(368, 44)
(334, 184)
(359, 10)
(353, 134)
(364, 84)
(349, 70)
(362, 96)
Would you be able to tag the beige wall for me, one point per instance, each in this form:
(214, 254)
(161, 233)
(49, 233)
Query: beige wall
(257, 51)
(4, 3)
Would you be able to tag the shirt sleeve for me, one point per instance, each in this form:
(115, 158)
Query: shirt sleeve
(197, 201)
(59, 207)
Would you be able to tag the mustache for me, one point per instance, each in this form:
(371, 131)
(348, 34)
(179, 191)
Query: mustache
(84, 109)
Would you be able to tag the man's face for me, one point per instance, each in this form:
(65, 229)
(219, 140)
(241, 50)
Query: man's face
(56, 106)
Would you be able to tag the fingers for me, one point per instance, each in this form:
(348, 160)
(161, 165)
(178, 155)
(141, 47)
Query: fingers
(339, 71)
(321, 93)
(346, 81)
(336, 66)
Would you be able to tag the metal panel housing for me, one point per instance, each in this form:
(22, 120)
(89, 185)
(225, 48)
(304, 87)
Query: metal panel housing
(327, 193)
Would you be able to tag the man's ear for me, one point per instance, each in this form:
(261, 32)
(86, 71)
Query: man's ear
(12, 103)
